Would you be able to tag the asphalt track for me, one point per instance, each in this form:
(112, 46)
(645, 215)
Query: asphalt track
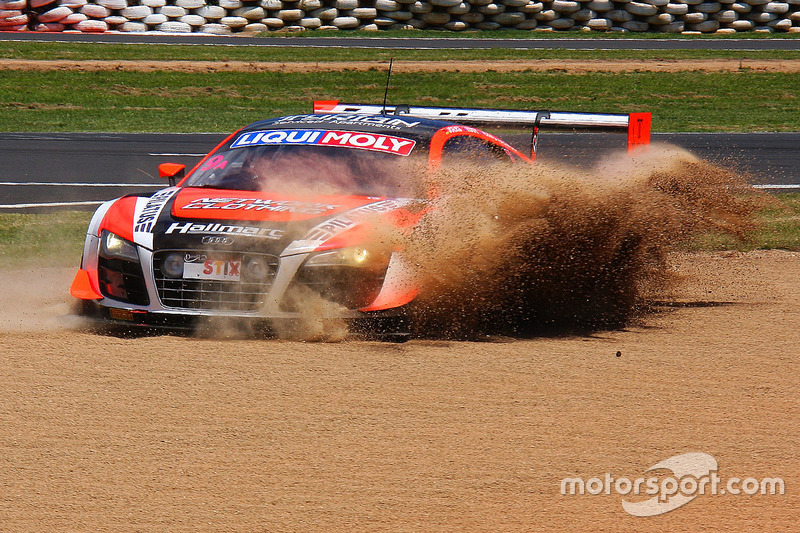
(418, 43)
(46, 171)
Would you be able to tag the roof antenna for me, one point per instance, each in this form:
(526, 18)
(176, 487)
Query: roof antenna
(386, 92)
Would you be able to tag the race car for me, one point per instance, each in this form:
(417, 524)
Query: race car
(280, 208)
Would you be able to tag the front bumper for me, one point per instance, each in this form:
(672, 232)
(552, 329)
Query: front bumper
(379, 324)
(267, 316)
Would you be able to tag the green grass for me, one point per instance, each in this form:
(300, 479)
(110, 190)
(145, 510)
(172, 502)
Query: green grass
(219, 102)
(295, 51)
(58, 237)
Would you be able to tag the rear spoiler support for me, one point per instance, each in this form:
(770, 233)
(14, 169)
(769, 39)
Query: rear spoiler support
(636, 124)
(535, 131)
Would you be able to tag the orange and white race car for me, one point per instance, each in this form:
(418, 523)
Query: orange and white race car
(281, 206)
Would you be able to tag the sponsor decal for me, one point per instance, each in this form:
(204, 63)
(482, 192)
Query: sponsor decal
(194, 258)
(333, 226)
(340, 223)
(259, 204)
(262, 138)
(148, 215)
(375, 142)
(380, 121)
(213, 269)
(461, 129)
(450, 130)
(218, 161)
(191, 228)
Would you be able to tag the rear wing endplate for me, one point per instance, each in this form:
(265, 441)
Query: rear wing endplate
(637, 125)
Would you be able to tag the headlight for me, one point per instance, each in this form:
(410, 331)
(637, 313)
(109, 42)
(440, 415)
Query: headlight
(355, 257)
(113, 246)
(172, 265)
(351, 277)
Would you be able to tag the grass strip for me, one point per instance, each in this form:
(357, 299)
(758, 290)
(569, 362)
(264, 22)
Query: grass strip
(778, 228)
(57, 237)
(118, 101)
(296, 51)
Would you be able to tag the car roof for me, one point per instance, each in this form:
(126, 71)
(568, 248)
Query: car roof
(417, 127)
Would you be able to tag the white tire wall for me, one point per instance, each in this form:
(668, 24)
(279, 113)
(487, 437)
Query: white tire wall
(225, 17)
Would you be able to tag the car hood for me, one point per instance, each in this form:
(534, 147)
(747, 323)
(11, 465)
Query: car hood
(200, 218)
(217, 204)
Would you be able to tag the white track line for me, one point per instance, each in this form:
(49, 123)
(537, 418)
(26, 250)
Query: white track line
(67, 184)
(47, 204)
(777, 186)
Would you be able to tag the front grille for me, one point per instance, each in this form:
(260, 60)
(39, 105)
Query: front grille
(246, 294)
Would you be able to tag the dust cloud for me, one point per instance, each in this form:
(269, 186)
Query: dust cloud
(542, 249)
(36, 299)
(319, 318)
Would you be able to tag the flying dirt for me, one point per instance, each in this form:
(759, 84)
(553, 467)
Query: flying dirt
(519, 249)
(525, 248)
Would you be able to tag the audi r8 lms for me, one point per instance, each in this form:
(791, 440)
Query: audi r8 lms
(285, 208)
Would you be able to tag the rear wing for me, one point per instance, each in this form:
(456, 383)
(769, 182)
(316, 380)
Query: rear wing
(637, 125)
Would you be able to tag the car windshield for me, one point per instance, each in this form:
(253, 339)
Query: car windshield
(309, 169)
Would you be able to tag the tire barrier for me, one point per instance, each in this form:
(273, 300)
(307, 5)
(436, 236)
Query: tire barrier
(234, 16)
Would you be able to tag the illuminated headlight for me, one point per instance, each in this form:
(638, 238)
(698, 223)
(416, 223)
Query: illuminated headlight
(113, 246)
(351, 277)
(172, 265)
(354, 257)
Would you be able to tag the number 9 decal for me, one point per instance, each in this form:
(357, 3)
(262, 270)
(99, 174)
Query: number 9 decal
(218, 161)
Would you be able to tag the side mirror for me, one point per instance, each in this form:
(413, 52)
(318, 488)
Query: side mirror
(172, 171)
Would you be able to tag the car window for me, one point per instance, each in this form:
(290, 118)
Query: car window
(472, 149)
(314, 169)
